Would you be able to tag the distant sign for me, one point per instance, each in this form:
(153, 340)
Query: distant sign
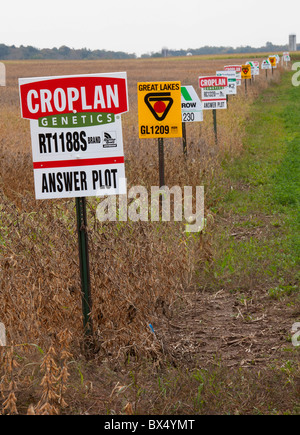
(266, 64)
(76, 133)
(246, 72)
(213, 90)
(254, 67)
(159, 109)
(231, 75)
(286, 56)
(273, 61)
(191, 105)
(238, 71)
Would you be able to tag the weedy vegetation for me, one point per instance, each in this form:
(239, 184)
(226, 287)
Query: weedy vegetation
(222, 302)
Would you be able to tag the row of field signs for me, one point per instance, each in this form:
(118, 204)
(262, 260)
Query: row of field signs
(76, 128)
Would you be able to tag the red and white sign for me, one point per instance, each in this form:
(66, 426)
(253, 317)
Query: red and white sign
(76, 133)
(45, 96)
(214, 81)
(213, 91)
(238, 70)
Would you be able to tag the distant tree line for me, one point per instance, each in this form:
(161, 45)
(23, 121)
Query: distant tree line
(18, 53)
(269, 47)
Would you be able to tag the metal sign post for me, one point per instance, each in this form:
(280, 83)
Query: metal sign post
(161, 170)
(184, 144)
(161, 158)
(77, 149)
(84, 266)
(215, 125)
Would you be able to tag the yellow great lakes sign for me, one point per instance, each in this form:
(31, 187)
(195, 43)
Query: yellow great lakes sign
(246, 72)
(159, 109)
(273, 60)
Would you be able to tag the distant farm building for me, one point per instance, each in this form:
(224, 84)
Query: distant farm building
(292, 43)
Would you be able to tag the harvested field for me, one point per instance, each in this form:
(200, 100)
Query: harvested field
(220, 335)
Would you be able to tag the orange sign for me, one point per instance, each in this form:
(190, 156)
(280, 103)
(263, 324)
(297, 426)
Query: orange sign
(246, 72)
(273, 60)
(159, 109)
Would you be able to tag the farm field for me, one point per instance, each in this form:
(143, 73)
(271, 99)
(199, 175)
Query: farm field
(222, 302)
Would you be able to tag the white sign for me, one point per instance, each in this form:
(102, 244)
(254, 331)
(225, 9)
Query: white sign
(231, 75)
(213, 91)
(266, 64)
(254, 67)
(238, 70)
(76, 134)
(191, 105)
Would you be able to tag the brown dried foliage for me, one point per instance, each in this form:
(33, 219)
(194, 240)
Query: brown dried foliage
(139, 271)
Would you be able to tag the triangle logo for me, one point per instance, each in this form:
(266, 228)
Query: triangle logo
(159, 104)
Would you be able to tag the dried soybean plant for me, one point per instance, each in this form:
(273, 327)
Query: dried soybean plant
(8, 381)
(54, 368)
(140, 271)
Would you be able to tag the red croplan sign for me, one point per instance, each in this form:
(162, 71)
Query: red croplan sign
(45, 96)
(237, 68)
(213, 82)
(76, 133)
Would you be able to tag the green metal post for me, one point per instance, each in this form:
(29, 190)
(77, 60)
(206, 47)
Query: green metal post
(84, 266)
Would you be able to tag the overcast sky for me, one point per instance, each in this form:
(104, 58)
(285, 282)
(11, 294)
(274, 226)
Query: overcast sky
(139, 26)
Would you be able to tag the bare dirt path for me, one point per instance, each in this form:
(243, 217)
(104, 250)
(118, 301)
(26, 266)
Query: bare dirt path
(227, 328)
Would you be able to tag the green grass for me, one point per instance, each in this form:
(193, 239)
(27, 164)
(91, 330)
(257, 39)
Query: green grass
(263, 201)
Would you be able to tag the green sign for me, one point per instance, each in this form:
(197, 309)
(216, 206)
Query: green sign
(73, 120)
